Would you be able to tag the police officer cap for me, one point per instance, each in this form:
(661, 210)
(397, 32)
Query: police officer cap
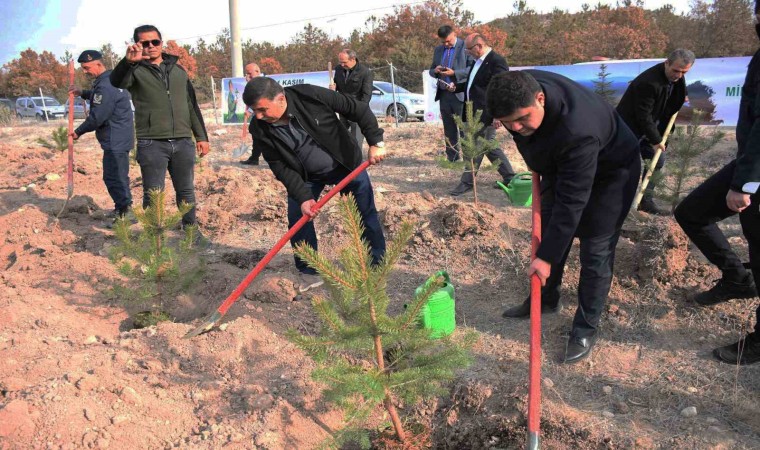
(89, 55)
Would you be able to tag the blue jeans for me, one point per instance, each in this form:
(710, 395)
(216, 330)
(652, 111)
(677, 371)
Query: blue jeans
(178, 156)
(116, 178)
(365, 200)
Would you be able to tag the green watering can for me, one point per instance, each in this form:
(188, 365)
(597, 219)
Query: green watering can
(438, 315)
(520, 189)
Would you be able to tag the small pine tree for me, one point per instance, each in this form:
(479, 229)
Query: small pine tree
(603, 87)
(472, 141)
(60, 138)
(151, 260)
(366, 357)
(685, 146)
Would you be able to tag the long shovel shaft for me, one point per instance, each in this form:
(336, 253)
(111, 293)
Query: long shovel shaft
(653, 163)
(534, 385)
(233, 297)
(70, 165)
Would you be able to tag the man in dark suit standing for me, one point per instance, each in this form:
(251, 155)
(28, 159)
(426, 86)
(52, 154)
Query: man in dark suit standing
(354, 80)
(487, 64)
(449, 67)
(589, 164)
(651, 98)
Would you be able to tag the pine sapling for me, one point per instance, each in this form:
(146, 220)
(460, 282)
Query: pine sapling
(365, 357)
(473, 142)
(685, 147)
(60, 138)
(603, 86)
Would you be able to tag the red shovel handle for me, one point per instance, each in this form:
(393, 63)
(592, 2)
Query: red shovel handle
(283, 240)
(534, 385)
(70, 162)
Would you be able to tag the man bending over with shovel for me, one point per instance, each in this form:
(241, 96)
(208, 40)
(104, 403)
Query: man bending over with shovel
(589, 164)
(307, 147)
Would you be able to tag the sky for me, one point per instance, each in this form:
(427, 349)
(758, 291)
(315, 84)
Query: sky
(77, 25)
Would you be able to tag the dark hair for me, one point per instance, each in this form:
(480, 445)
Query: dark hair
(444, 31)
(261, 87)
(510, 91)
(144, 29)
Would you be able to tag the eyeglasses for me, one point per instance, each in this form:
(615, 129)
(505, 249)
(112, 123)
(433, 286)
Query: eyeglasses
(470, 48)
(154, 42)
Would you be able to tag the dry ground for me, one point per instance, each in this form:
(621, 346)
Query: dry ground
(74, 375)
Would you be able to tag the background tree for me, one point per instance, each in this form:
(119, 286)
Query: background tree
(186, 60)
(270, 66)
(32, 71)
(110, 57)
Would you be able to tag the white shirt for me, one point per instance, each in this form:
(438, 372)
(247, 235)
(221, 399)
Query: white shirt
(474, 71)
(751, 187)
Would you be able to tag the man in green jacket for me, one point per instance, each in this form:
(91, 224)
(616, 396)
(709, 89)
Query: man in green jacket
(167, 117)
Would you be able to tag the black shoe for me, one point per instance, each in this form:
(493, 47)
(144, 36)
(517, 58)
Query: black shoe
(460, 189)
(251, 161)
(647, 205)
(744, 352)
(522, 310)
(725, 290)
(578, 348)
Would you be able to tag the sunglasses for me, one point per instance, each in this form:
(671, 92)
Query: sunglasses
(154, 42)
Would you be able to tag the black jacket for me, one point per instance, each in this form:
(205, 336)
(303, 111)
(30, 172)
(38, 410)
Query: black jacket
(110, 115)
(492, 64)
(359, 82)
(589, 162)
(314, 108)
(646, 102)
(748, 128)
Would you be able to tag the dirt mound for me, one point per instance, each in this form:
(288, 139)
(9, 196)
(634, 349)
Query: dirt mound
(462, 220)
(662, 250)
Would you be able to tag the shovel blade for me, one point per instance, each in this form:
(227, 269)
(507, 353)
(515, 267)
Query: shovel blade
(240, 150)
(207, 325)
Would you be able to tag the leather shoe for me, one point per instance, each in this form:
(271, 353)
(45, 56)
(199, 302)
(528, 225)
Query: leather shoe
(250, 161)
(578, 348)
(522, 310)
(460, 189)
(744, 352)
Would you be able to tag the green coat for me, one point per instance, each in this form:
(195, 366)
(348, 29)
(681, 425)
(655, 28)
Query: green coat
(164, 108)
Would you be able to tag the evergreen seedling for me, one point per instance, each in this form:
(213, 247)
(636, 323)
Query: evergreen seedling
(685, 147)
(365, 357)
(473, 142)
(159, 267)
(60, 138)
(603, 86)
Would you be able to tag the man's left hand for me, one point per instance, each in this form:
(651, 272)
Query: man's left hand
(737, 201)
(541, 268)
(449, 72)
(376, 154)
(203, 148)
(74, 135)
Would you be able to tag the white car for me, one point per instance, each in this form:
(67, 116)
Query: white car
(408, 104)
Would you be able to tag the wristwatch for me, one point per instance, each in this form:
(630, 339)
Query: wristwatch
(380, 144)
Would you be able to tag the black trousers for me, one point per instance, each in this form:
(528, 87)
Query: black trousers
(450, 106)
(505, 168)
(116, 178)
(178, 157)
(647, 153)
(698, 215)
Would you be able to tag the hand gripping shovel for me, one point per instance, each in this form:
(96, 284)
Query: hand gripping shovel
(534, 383)
(653, 163)
(211, 320)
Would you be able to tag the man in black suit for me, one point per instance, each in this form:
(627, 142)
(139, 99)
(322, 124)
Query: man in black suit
(651, 98)
(487, 64)
(354, 80)
(589, 165)
(449, 67)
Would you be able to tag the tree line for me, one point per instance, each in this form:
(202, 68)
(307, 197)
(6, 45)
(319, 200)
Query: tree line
(407, 36)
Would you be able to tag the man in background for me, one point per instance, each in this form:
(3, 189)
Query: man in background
(354, 80)
(251, 71)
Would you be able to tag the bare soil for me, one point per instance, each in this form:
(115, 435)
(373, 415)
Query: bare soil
(74, 374)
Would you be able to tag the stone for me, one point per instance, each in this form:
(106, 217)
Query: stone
(130, 396)
(607, 390)
(91, 340)
(87, 383)
(116, 420)
(89, 415)
(548, 383)
(52, 177)
(690, 411)
(622, 407)
(608, 414)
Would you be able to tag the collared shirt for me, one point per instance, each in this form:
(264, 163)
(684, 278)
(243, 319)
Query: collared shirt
(316, 161)
(474, 70)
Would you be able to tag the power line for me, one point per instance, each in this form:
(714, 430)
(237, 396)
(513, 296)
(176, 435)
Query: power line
(307, 19)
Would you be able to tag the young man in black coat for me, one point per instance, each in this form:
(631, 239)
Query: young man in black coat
(589, 164)
(487, 64)
(354, 80)
(732, 190)
(307, 147)
(647, 105)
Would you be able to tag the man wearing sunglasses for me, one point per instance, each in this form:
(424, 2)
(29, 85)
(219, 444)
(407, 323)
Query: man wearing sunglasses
(167, 117)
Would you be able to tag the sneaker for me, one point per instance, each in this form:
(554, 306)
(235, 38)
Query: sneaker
(309, 281)
(744, 352)
(460, 189)
(725, 290)
(648, 205)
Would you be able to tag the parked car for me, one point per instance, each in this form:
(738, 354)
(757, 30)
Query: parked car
(37, 107)
(408, 103)
(81, 108)
(8, 103)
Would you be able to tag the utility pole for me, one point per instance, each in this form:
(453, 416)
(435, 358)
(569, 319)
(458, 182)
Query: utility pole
(235, 47)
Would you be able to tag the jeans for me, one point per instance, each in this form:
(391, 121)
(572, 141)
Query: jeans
(505, 168)
(450, 106)
(116, 178)
(178, 156)
(365, 200)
